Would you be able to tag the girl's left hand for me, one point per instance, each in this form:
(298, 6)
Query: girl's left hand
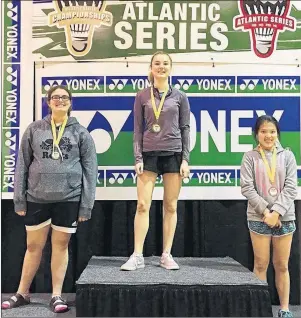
(82, 219)
(184, 169)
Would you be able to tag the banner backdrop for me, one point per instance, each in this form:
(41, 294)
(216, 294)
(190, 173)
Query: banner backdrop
(16, 64)
(225, 102)
(247, 42)
(93, 30)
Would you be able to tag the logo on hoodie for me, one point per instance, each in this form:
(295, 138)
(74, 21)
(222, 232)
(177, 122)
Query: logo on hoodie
(264, 19)
(65, 146)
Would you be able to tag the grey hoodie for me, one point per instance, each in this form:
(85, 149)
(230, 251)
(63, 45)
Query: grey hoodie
(41, 179)
(255, 184)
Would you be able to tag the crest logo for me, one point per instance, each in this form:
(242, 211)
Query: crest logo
(79, 19)
(264, 19)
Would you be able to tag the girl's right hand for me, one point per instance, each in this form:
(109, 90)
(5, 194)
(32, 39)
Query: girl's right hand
(279, 224)
(139, 168)
(21, 213)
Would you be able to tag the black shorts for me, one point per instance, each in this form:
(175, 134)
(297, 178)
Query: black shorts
(162, 164)
(61, 215)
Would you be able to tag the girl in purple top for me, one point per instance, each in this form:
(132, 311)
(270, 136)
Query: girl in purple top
(161, 147)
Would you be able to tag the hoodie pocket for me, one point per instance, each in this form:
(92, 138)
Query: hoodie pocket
(74, 180)
(55, 186)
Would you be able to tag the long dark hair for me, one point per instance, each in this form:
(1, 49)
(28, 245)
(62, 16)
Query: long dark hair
(265, 118)
(51, 90)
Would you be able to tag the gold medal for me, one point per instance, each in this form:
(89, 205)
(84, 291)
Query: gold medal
(156, 127)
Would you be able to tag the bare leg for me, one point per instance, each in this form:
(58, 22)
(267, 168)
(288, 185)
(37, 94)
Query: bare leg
(35, 243)
(261, 248)
(281, 253)
(172, 187)
(145, 187)
(59, 259)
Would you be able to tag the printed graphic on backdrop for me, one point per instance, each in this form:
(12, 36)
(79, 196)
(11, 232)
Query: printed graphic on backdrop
(264, 20)
(11, 93)
(79, 19)
(133, 28)
(223, 111)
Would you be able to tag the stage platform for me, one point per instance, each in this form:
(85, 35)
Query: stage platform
(202, 287)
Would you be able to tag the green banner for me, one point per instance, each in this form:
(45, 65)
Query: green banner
(105, 29)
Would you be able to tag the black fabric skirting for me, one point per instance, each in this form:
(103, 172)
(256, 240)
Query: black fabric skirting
(172, 301)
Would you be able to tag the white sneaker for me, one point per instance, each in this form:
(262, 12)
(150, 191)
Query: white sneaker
(134, 262)
(168, 262)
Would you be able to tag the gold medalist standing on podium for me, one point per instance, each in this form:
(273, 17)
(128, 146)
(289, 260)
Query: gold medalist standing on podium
(54, 186)
(161, 147)
(269, 182)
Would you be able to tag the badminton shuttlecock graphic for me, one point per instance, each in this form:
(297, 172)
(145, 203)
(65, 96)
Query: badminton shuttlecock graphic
(264, 19)
(79, 19)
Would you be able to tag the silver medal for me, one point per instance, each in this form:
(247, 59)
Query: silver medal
(55, 155)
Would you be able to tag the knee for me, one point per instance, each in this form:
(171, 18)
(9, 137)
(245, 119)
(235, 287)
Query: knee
(59, 244)
(261, 265)
(142, 207)
(34, 247)
(280, 266)
(170, 207)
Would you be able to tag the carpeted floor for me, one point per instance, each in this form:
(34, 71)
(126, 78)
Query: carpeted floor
(209, 271)
(39, 308)
(197, 271)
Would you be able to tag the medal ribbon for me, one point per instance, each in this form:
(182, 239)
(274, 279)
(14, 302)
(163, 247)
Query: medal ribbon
(57, 139)
(157, 112)
(271, 171)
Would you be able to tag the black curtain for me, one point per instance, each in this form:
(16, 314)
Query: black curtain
(205, 229)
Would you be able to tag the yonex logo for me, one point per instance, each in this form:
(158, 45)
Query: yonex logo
(13, 11)
(118, 83)
(188, 179)
(53, 83)
(118, 178)
(249, 84)
(104, 125)
(285, 84)
(184, 84)
(132, 84)
(79, 84)
(10, 140)
(270, 84)
(12, 75)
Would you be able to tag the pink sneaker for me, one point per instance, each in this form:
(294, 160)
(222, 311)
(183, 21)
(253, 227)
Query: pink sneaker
(168, 262)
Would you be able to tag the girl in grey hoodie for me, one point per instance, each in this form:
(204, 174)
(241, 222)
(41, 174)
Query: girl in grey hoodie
(55, 184)
(269, 182)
